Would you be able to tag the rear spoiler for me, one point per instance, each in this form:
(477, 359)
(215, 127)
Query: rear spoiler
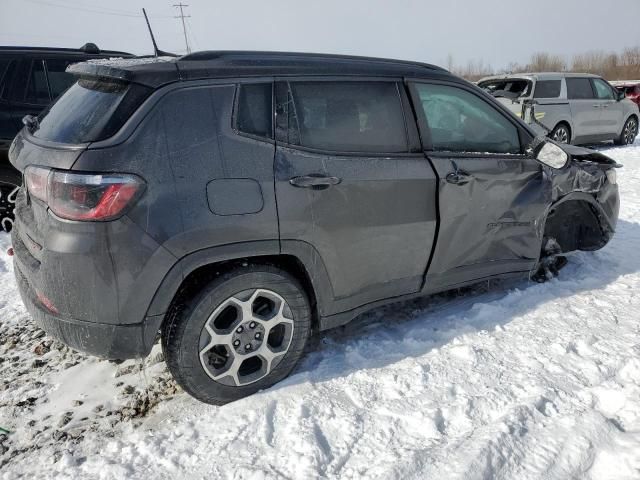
(149, 71)
(103, 71)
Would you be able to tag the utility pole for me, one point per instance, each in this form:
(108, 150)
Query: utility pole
(182, 16)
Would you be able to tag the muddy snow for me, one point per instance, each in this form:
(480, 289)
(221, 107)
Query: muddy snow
(502, 380)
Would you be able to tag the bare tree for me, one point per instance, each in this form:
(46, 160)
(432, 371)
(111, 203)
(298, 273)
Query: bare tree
(610, 65)
(546, 62)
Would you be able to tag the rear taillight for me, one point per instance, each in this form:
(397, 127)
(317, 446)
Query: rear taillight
(36, 179)
(83, 196)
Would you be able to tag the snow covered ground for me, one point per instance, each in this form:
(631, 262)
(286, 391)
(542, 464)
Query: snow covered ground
(508, 381)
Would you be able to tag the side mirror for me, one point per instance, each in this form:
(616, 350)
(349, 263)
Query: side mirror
(552, 155)
(620, 95)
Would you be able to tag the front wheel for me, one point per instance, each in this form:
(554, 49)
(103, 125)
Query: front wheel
(629, 132)
(241, 333)
(550, 263)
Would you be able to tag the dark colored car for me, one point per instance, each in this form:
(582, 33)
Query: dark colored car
(30, 78)
(237, 201)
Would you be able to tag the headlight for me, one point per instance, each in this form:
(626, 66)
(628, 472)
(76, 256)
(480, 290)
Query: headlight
(612, 176)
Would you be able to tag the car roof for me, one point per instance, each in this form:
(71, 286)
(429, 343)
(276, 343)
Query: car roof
(225, 64)
(87, 49)
(625, 83)
(539, 76)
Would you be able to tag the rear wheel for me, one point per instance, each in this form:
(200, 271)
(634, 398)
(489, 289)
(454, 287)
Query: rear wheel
(10, 181)
(561, 133)
(629, 132)
(241, 333)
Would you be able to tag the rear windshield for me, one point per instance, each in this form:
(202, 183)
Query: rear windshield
(508, 88)
(90, 110)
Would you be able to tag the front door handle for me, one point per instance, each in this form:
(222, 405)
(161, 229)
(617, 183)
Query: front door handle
(459, 177)
(315, 181)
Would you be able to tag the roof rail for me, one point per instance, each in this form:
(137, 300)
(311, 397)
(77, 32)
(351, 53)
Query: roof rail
(242, 54)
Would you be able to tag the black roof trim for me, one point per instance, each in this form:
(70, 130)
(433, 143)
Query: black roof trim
(244, 64)
(231, 55)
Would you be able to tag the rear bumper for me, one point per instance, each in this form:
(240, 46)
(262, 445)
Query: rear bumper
(99, 339)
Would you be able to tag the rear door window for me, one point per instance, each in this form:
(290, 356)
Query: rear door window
(37, 90)
(254, 113)
(579, 89)
(59, 80)
(547, 89)
(460, 121)
(347, 116)
(90, 110)
(603, 90)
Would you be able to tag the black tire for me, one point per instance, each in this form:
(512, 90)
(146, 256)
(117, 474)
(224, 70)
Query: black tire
(10, 180)
(561, 134)
(629, 132)
(548, 269)
(183, 331)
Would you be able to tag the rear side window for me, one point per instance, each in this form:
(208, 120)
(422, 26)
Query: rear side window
(547, 89)
(37, 90)
(90, 110)
(254, 113)
(579, 89)
(460, 121)
(509, 88)
(59, 80)
(347, 116)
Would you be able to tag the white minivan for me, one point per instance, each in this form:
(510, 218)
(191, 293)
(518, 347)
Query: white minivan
(572, 108)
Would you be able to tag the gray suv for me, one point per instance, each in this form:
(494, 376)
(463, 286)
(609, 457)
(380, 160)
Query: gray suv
(233, 202)
(571, 107)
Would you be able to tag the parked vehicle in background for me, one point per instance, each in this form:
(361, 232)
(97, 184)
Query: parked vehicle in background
(289, 193)
(571, 108)
(630, 88)
(30, 78)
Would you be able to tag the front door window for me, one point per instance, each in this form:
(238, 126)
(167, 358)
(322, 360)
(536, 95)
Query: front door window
(460, 121)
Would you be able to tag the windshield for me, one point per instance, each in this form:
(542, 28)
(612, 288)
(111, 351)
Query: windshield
(90, 110)
(509, 88)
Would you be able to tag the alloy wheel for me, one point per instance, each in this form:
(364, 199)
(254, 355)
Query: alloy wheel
(246, 337)
(561, 135)
(630, 131)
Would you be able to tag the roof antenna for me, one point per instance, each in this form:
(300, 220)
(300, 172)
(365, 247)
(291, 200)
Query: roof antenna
(156, 51)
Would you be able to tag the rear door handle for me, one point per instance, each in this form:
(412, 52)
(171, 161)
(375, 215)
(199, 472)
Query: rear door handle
(315, 181)
(596, 106)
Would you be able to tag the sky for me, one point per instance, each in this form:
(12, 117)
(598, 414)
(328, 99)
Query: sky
(494, 32)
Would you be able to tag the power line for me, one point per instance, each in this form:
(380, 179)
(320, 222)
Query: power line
(194, 40)
(98, 10)
(182, 16)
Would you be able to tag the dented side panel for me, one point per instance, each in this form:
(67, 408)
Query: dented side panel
(495, 221)
(490, 224)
